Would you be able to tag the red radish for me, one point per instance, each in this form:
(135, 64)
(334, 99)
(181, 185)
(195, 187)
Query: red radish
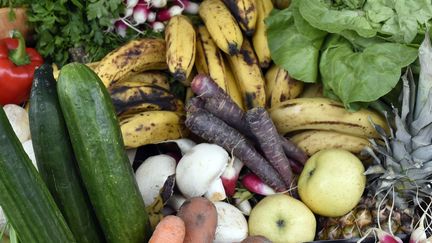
(120, 28)
(254, 184)
(157, 3)
(230, 176)
(157, 26)
(419, 234)
(140, 13)
(166, 13)
(151, 17)
(128, 12)
(383, 237)
(189, 7)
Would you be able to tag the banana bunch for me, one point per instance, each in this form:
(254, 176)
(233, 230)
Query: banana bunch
(320, 123)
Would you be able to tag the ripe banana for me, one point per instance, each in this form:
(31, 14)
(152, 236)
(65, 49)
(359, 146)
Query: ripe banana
(246, 14)
(249, 77)
(211, 59)
(232, 88)
(222, 26)
(324, 114)
(148, 77)
(312, 141)
(132, 97)
(280, 86)
(152, 127)
(201, 64)
(180, 37)
(312, 90)
(259, 39)
(135, 56)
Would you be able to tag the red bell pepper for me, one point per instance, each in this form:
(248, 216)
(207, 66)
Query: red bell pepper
(17, 66)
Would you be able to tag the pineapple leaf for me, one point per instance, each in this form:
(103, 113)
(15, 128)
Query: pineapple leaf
(424, 118)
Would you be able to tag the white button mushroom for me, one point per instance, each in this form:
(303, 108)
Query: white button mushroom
(198, 172)
(184, 144)
(231, 223)
(152, 174)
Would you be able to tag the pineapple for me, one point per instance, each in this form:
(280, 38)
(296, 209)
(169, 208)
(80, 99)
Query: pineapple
(399, 182)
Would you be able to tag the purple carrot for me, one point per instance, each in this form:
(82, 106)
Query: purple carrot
(263, 129)
(214, 130)
(220, 104)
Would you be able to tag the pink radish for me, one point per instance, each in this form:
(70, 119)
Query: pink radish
(230, 176)
(157, 26)
(166, 13)
(189, 7)
(419, 234)
(151, 17)
(140, 13)
(128, 12)
(120, 28)
(383, 237)
(131, 3)
(254, 184)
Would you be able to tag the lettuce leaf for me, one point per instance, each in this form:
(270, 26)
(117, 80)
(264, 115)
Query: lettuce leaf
(294, 44)
(362, 75)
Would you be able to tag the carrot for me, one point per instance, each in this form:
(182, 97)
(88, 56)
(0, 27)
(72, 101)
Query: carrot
(262, 127)
(200, 217)
(220, 104)
(214, 130)
(170, 229)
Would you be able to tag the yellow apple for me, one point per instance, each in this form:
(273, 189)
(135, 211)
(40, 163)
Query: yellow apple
(332, 182)
(281, 218)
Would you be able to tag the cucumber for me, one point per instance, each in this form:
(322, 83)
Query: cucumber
(25, 199)
(56, 160)
(103, 163)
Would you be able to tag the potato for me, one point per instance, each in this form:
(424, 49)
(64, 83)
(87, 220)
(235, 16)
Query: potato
(200, 217)
(256, 239)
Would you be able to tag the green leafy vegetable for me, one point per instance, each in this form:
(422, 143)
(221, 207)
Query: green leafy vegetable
(365, 75)
(356, 48)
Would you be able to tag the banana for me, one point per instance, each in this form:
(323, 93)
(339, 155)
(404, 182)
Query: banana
(280, 86)
(324, 114)
(213, 60)
(312, 90)
(259, 39)
(148, 77)
(135, 56)
(246, 14)
(180, 37)
(313, 141)
(232, 87)
(201, 64)
(222, 26)
(249, 77)
(152, 127)
(132, 97)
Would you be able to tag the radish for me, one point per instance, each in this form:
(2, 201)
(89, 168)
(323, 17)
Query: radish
(230, 176)
(243, 205)
(128, 12)
(157, 3)
(140, 13)
(157, 26)
(131, 3)
(254, 184)
(120, 28)
(419, 234)
(383, 237)
(151, 17)
(166, 13)
(189, 7)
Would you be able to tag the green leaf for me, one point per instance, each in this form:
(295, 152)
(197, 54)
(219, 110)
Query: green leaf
(294, 44)
(362, 76)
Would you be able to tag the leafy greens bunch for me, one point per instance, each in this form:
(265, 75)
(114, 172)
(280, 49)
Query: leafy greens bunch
(76, 30)
(356, 48)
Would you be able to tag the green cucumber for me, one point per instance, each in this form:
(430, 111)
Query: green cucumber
(25, 199)
(56, 160)
(98, 145)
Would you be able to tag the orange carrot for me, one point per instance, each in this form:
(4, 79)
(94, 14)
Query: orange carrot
(170, 229)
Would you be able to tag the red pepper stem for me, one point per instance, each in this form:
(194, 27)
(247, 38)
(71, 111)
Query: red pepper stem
(19, 55)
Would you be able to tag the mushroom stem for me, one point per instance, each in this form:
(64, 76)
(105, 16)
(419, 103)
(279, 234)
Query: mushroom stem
(175, 201)
(216, 191)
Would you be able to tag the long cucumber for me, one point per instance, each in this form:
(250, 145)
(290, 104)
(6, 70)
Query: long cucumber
(98, 145)
(56, 160)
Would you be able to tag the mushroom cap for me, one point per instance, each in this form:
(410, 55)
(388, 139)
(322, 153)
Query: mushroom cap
(199, 167)
(152, 174)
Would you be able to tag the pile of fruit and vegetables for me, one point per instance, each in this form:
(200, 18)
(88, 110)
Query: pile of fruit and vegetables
(216, 121)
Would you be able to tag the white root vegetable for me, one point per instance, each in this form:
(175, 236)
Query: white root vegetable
(18, 118)
(231, 224)
(244, 206)
(198, 170)
(28, 148)
(152, 174)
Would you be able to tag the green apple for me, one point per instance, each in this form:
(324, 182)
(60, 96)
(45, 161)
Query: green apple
(281, 218)
(332, 182)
